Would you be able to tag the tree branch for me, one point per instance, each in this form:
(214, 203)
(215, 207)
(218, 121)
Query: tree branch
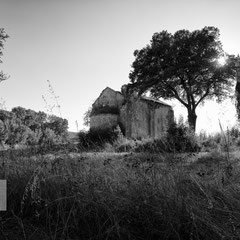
(177, 96)
(203, 96)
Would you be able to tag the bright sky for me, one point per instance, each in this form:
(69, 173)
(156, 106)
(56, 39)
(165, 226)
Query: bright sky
(83, 46)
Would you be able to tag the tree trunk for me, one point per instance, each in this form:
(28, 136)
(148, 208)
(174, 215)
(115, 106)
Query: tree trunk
(192, 119)
(237, 92)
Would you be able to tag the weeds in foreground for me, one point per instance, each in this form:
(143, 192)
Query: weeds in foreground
(178, 138)
(120, 196)
(54, 97)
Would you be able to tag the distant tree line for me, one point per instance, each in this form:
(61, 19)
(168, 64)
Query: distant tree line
(26, 127)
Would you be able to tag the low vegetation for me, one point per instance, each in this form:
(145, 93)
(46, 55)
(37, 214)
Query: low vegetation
(178, 139)
(21, 128)
(121, 196)
(129, 194)
(96, 139)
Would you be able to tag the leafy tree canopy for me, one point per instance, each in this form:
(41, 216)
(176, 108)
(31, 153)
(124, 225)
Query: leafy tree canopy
(27, 127)
(3, 37)
(183, 66)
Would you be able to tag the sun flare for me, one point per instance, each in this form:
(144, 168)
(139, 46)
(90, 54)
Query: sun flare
(221, 60)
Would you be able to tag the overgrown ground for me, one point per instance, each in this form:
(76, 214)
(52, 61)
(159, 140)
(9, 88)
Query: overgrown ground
(121, 196)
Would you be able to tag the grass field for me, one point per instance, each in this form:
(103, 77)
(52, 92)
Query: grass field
(121, 196)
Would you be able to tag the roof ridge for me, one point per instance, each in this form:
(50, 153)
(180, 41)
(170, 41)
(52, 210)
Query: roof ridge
(154, 100)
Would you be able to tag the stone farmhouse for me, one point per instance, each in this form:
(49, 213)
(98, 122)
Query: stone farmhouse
(138, 117)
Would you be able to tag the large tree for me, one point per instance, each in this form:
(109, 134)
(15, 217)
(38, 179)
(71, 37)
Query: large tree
(236, 61)
(183, 66)
(3, 37)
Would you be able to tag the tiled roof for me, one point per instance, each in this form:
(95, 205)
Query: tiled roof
(142, 97)
(154, 100)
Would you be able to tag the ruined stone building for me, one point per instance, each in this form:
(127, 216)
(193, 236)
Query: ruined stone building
(138, 117)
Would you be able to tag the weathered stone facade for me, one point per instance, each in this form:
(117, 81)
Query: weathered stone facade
(138, 117)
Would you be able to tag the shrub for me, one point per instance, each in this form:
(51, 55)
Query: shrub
(95, 139)
(181, 139)
(26, 127)
(210, 142)
(126, 145)
(234, 132)
(221, 141)
(153, 146)
(178, 139)
(237, 142)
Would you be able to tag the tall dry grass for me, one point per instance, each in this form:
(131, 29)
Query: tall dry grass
(120, 196)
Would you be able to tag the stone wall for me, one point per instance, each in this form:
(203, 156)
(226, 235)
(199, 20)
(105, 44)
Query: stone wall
(140, 122)
(137, 117)
(105, 110)
(110, 98)
(145, 119)
(162, 121)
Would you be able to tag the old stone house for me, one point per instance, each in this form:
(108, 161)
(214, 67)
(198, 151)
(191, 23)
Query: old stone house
(138, 117)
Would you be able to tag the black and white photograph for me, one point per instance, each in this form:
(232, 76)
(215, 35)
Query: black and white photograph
(119, 120)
